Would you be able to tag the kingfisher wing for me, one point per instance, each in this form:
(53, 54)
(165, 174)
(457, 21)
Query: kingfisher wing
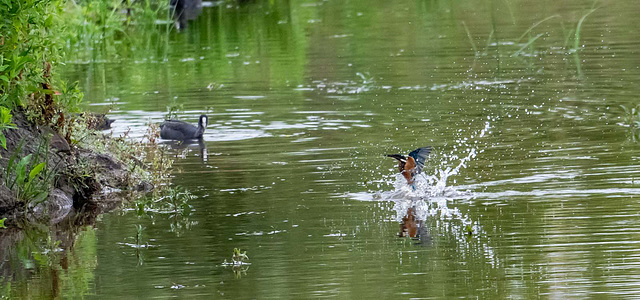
(420, 155)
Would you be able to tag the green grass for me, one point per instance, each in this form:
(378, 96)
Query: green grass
(576, 39)
(529, 43)
(534, 26)
(576, 42)
(473, 44)
(101, 27)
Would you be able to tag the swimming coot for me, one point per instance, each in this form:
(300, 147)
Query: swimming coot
(179, 130)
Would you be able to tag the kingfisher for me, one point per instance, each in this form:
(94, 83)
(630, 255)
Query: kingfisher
(411, 165)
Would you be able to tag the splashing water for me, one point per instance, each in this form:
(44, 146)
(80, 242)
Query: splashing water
(430, 196)
(434, 186)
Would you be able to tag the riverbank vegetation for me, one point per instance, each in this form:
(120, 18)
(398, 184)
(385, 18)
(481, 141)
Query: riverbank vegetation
(51, 158)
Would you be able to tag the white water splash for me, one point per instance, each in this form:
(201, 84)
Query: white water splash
(433, 196)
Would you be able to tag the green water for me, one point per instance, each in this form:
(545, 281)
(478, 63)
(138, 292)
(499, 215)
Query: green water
(531, 154)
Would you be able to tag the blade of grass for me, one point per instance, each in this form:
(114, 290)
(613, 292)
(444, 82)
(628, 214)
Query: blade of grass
(536, 25)
(576, 40)
(567, 39)
(527, 44)
(486, 48)
(473, 45)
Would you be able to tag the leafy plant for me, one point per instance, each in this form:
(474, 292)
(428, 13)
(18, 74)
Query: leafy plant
(28, 176)
(25, 182)
(178, 199)
(138, 246)
(139, 230)
(50, 255)
(239, 257)
(576, 38)
(631, 116)
(468, 228)
(534, 26)
(11, 71)
(238, 264)
(529, 43)
(531, 40)
(30, 44)
(100, 26)
(2, 223)
(173, 111)
(5, 123)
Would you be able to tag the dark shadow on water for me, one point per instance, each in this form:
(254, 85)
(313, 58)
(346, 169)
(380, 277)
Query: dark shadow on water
(185, 11)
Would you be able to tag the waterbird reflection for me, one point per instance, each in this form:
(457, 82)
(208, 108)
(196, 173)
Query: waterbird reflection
(412, 226)
(184, 11)
(184, 145)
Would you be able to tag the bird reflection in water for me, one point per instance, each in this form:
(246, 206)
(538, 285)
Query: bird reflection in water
(413, 227)
(184, 145)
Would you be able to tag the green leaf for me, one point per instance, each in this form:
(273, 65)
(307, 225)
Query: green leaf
(5, 115)
(36, 170)
(48, 21)
(3, 140)
(626, 110)
(21, 169)
(2, 223)
(40, 197)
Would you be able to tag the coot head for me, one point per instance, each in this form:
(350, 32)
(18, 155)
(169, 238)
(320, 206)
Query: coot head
(204, 121)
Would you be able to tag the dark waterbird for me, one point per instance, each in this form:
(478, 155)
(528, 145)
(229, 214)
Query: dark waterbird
(179, 130)
(412, 164)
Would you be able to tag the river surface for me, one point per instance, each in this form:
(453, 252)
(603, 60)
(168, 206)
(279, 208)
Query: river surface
(532, 189)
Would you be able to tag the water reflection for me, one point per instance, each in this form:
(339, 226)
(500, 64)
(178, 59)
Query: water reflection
(533, 160)
(182, 148)
(413, 227)
(185, 11)
(44, 261)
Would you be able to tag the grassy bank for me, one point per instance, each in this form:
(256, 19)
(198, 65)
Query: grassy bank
(49, 150)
